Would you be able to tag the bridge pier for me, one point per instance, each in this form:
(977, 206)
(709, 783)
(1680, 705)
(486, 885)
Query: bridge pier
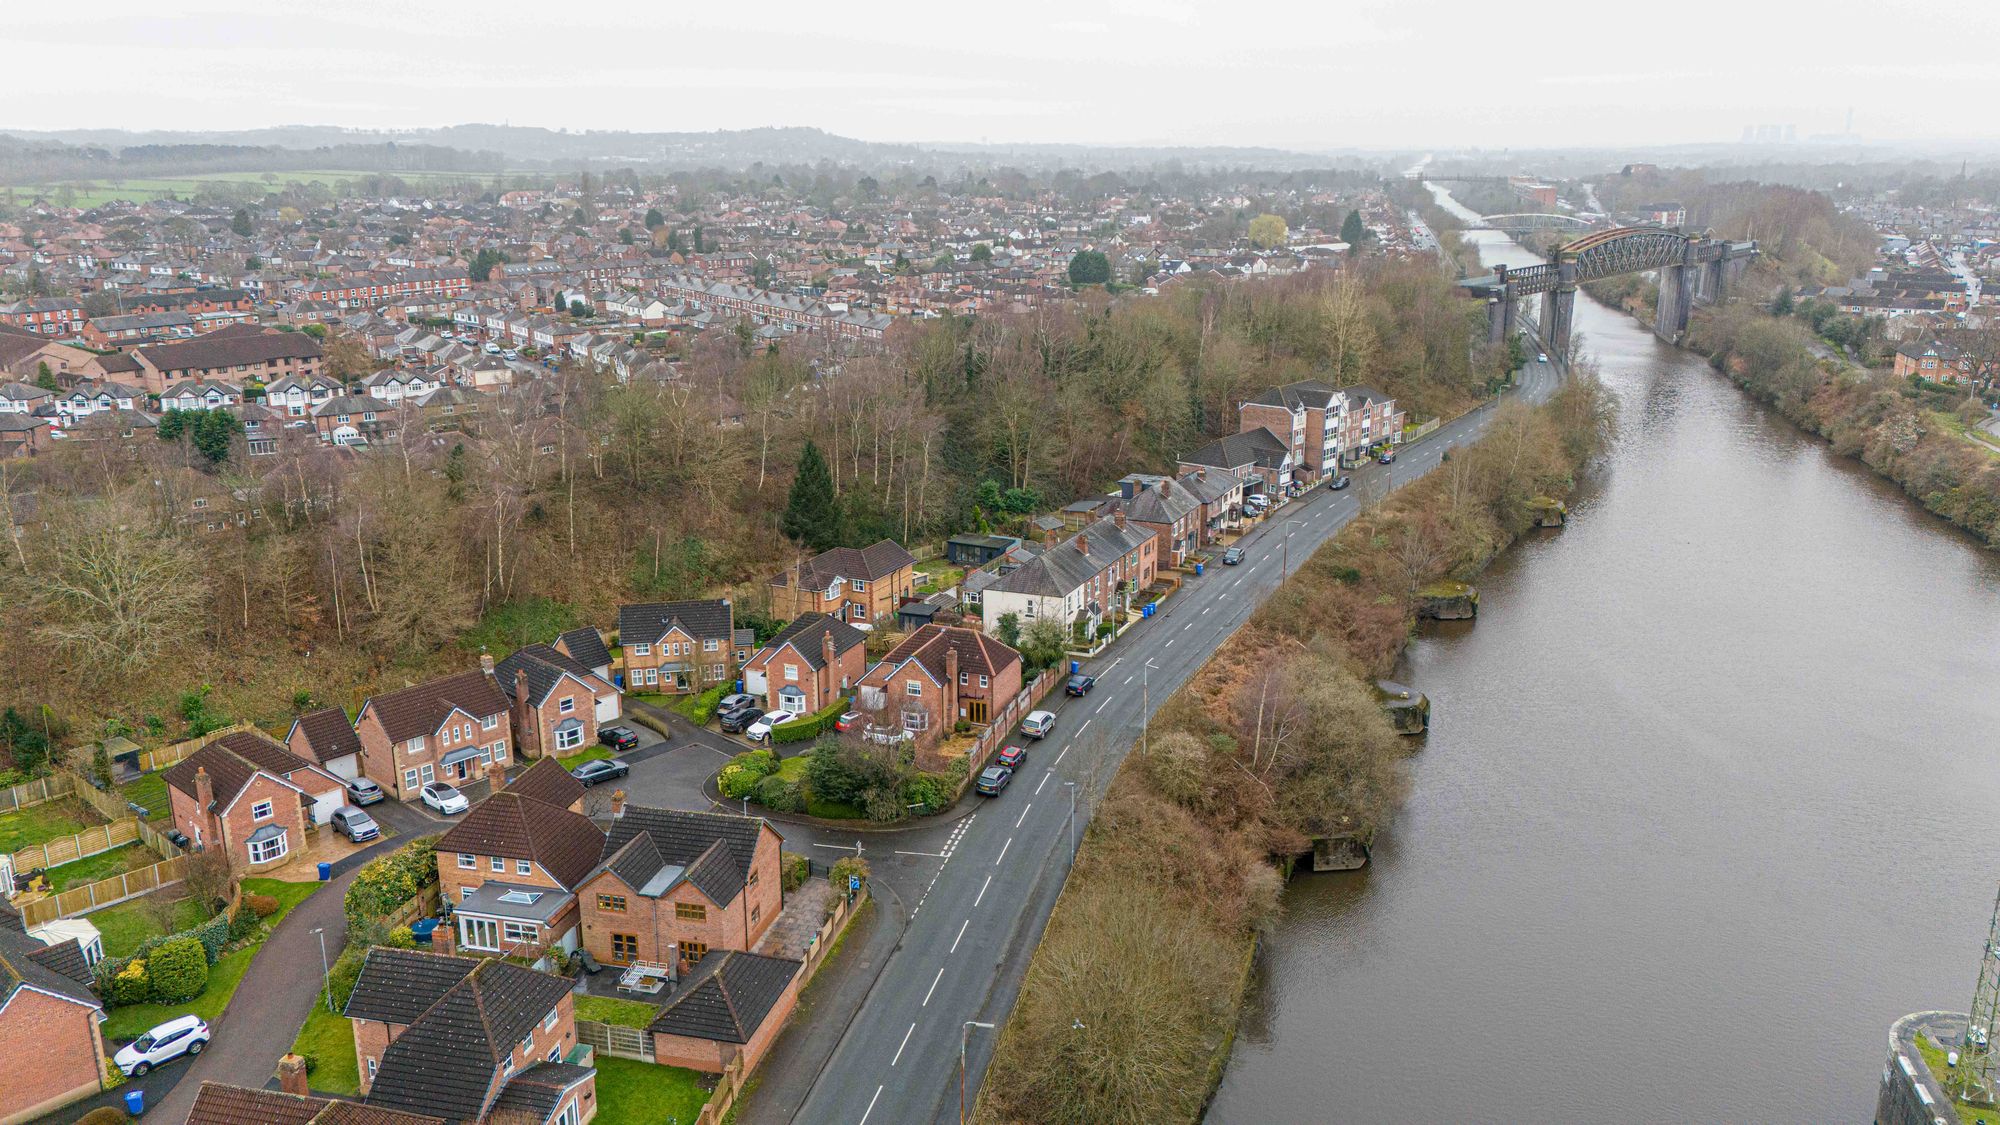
(1677, 281)
(1559, 310)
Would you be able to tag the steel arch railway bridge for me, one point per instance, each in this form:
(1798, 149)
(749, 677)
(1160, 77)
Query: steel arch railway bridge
(1691, 267)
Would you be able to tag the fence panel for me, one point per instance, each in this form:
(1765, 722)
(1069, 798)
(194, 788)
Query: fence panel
(104, 892)
(69, 849)
(166, 756)
(34, 792)
(617, 1041)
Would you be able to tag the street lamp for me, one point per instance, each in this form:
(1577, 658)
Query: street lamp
(965, 1033)
(1146, 707)
(1071, 785)
(1285, 559)
(325, 971)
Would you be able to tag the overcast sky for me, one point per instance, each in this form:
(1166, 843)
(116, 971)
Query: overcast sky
(1316, 75)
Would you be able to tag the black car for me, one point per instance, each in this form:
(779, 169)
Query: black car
(620, 739)
(1079, 684)
(1340, 483)
(1388, 457)
(736, 722)
(992, 780)
(599, 769)
(1232, 556)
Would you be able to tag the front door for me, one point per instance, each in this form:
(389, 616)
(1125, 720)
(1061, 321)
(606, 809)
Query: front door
(462, 770)
(975, 710)
(680, 681)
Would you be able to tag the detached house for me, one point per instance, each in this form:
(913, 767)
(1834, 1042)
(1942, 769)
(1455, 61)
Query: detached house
(252, 798)
(48, 1024)
(677, 647)
(671, 886)
(326, 737)
(447, 729)
(558, 703)
(807, 665)
(511, 868)
(939, 675)
(856, 585)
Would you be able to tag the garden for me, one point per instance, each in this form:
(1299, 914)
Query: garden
(50, 820)
(837, 779)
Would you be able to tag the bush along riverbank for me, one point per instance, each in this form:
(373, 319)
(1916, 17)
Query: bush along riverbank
(1131, 1000)
(1908, 430)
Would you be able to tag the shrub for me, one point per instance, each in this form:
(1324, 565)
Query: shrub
(212, 934)
(927, 789)
(263, 905)
(242, 924)
(844, 868)
(883, 804)
(131, 985)
(104, 1114)
(394, 879)
(794, 869)
(401, 938)
(744, 771)
(779, 795)
(179, 971)
(701, 708)
(345, 971)
(812, 726)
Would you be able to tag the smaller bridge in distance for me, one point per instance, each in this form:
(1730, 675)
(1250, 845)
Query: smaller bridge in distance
(1527, 222)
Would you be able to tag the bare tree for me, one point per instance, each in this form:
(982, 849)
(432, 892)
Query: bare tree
(113, 593)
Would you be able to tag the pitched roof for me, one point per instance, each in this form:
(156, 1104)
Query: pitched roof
(805, 633)
(877, 560)
(649, 621)
(978, 654)
(1309, 393)
(219, 1104)
(538, 1090)
(1251, 447)
(586, 646)
(566, 844)
(445, 1062)
(682, 839)
(1063, 567)
(421, 708)
(328, 734)
(231, 761)
(398, 985)
(1160, 501)
(24, 963)
(217, 350)
(727, 997)
(548, 782)
(545, 668)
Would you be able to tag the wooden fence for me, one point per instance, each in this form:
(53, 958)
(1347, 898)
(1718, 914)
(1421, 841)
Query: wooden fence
(104, 892)
(165, 756)
(422, 906)
(69, 849)
(35, 792)
(615, 1040)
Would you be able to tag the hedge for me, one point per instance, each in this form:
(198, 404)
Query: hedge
(394, 879)
(740, 777)
(212, 936)
(808, 728)
(699, 709)
(178, 970)
(793, 871)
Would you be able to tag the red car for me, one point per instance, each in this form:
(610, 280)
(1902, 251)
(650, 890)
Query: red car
(847, 722)
(1013, 757)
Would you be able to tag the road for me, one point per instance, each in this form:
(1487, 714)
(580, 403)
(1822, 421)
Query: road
(984, 885)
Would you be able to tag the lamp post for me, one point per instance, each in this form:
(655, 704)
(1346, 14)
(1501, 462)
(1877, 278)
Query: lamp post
(965, 1033)
(1285, 558)
(325, 971)
(1146, 706)
(1071, 785)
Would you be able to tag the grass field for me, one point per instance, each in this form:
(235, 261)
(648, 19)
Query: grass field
(587, 754)
(611, 1010)
(103, 865)
(125, 926)
(328, 1040)
(149, 790)
(639, 1093)
(92, 193)
(46, 821)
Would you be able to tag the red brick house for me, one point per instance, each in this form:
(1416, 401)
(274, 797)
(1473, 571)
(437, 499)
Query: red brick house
(326, 737)
(468, 1040)
(1372, 419)
(48, 1024)
(733, 1005)
(809, 664)
(677, 647)
(252, 798)
(557, 702)
(939, 675)
(240, 357)
(1309, 417)
(511, 868)
(447, 729)
(1165, 507)
(672, 886)
(857, 585)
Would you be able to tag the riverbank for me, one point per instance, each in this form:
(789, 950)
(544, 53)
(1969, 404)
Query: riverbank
(1132, 998)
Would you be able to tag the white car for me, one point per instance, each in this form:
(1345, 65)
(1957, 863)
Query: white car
(186, 1035)
(444, 798)
(761, 729)
(1038, 724)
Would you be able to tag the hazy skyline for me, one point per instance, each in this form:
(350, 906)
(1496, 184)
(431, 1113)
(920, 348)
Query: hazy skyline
(1186, 72)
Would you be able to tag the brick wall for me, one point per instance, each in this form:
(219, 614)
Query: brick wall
(371, 1038)
(53, 1053)
(712, 1057)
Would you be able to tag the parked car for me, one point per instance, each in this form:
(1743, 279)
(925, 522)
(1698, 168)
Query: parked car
(1232, 556)
(1388, 457)
(444, 798)
(511, 353)
(761, 729)
(993, 779)
(620, 739)
(600, 769)
(1038, 724)
(736, 721)
(1340, 483)
(1541, 357)
(185, 1035)
(1013, 757)
(491, 348)
(735, 702)
(847, 722)
(1079, 684)
(361, 791)
(354, 824)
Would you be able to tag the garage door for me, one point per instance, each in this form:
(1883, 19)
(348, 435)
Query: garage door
(609, 707)
(324, 805)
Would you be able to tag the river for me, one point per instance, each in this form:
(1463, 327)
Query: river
(1706, 804)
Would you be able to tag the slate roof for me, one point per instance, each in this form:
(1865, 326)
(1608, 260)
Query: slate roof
(545, 667)
(804, 634)
(684, 839)
(445, 1062)
(398, 985)
(1309, 393)
(217, 351)
(1063, 567)
(978, 654)
(421, 709)
(586, 646)
(1251, 447)
(65, 957)
(866, 563)
(218, 1104)
(538, 1090)
(25, 962)
(1160, 502)
(328, 734)
(647, 622)
(727, 997)
(233, 759)
(566, 844)
(548, 782)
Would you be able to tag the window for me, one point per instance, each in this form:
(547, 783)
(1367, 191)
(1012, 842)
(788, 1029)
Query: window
(569, 739)
(624, 948)
(690, 912)
(498, 863)
(964, 678)
(428, 773)
(417, 745)
(611, 904)
(708, 645)
(792, 673)
(860, 586)
(372, 1064)
(200, 501)
(982, 681)
(642, 650)
(755, 911)
(555, 1053)
(549, 1021)
(489, 722)
(753, 877)
(260, 811)
(500, 750)
(528, 1043)
(467, 861)
(652, 675)
(464, 894)
(523, 867)
(264, 851)
(409, 779)
(567, 705)
(521, 931)
(694, 950)
(913, 687)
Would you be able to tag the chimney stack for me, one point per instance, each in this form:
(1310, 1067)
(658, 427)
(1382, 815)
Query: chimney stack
(486, 662)
(1118, 517)
(496, 776)
(204, 790)
(826, 651)
(1083, 542)
(617, 803)
(951, 685)
(292, 1075)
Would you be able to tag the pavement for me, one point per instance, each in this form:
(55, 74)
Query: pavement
(960, 906)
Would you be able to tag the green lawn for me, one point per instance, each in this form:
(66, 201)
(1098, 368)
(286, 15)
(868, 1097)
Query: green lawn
(328, 1040)
(1934, 1056)
(937, 574)
(126, 925)
(149, 790)
(610, 1009)
(794, 769)
(47, 821)
(630, 1092)
(587, 754)
(103, 865)
(223, 976)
